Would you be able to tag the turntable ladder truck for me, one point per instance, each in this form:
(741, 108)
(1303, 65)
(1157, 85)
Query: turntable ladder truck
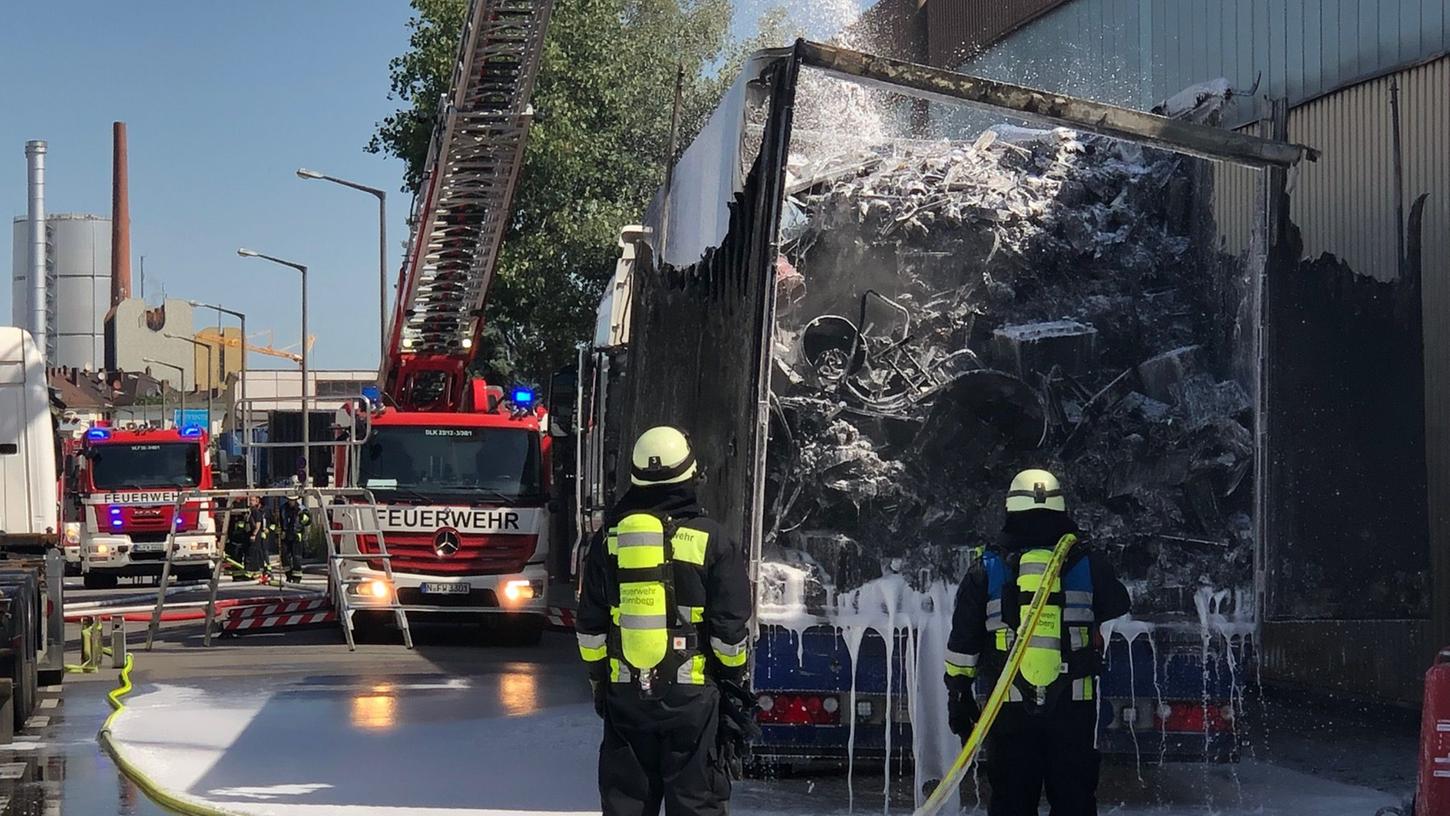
(459, 466)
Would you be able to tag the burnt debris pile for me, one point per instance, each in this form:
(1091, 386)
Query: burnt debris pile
(950, 313)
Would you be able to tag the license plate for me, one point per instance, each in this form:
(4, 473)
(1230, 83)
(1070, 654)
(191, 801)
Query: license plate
(446, 589)
(149, 546)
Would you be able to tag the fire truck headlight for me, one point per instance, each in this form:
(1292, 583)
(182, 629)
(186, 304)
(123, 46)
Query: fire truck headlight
(518, 590)
(103, 549)
(375, 589)
(72, 533)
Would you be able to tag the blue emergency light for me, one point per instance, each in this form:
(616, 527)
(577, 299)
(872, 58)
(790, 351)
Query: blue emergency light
(116, 516)
(191, 431)
(523, 397)
(98, 433)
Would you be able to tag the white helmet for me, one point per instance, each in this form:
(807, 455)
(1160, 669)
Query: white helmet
(1035, 490)
(662, 456)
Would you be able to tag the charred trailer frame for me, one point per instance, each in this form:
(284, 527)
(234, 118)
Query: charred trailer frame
(704, 293)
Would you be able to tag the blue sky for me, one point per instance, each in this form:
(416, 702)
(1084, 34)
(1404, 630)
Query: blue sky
(223, 102)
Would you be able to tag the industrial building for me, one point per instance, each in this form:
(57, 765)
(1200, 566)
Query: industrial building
(1367, 85)
(78, 286)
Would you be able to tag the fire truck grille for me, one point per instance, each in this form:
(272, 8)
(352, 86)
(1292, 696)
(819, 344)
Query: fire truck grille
(476, 555)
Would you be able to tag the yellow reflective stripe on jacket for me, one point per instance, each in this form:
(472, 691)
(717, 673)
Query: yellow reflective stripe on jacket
(960, 664)
(692, 671)
(731, 655)
(619, 672)
(592, 647)
(689, 545)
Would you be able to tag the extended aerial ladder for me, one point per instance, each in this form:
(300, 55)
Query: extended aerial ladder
(461, 210)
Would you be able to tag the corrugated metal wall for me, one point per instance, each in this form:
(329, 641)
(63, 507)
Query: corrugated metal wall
(1139, 52)
(1346, 205)
(957, 28)
(1236, 196)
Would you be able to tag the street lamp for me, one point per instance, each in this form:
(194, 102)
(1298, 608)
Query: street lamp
(246, 418)
(304, 173)
(210, 372)
(181, 391)
(306, 415)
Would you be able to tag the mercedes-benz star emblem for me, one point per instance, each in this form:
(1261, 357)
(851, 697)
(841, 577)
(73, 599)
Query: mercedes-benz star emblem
(446, 543)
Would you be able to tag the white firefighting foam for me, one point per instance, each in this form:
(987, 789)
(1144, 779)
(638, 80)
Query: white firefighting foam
(916, 621)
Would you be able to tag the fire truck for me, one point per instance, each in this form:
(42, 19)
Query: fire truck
(125, 484)
(459, 467)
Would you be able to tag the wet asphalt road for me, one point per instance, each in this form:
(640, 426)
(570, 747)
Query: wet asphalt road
(86, 782)
(68, 773)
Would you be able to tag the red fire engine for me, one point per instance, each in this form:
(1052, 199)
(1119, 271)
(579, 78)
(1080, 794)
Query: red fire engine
(125, 483)
(459, 467)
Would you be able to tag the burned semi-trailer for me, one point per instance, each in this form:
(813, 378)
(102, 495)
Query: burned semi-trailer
(870, 306)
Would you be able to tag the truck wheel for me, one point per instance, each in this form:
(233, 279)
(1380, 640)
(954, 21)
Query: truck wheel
(93, 580)
(23, 680)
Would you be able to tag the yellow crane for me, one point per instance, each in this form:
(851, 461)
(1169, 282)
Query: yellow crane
(236, 342)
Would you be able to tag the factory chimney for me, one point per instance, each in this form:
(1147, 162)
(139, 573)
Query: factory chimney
(35, 212)
(120, 218)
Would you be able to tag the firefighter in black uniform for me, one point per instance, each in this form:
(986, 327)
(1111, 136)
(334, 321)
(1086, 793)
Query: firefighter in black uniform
(662, 626)
(1046, 733)
(239, 530)
(295, 523)
(257, 535)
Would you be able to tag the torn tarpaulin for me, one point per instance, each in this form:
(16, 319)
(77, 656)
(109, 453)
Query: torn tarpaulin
(967, 310)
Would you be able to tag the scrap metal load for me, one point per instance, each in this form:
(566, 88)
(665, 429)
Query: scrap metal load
(951, 313)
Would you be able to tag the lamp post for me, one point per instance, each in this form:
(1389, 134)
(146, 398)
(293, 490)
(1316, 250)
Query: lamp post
(181, 392)
(382, 197)
(306, 415)
(246, 412)
(210, 371)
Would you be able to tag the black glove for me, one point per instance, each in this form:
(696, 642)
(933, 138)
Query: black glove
(737, 728)
(962, 708)
(599, 689)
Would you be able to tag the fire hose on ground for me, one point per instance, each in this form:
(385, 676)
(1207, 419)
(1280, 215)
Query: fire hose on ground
(116, 697)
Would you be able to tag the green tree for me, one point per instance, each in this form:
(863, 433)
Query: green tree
(596, 152)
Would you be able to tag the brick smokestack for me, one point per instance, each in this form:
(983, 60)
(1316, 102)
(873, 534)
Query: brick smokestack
(120, 218)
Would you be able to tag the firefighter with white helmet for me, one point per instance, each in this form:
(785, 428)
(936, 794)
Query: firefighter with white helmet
(1046, 733)
(662, 627)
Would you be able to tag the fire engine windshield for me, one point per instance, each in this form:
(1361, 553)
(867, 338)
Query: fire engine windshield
(118, 466)
(499, 461)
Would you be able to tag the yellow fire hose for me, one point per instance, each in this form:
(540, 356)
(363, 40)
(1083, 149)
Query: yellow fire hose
(973, 745)
(92, 650)
(158, 794)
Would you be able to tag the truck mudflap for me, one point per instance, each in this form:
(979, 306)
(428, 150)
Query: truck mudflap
(1166, 700)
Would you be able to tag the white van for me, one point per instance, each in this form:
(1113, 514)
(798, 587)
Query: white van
(28, 490)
